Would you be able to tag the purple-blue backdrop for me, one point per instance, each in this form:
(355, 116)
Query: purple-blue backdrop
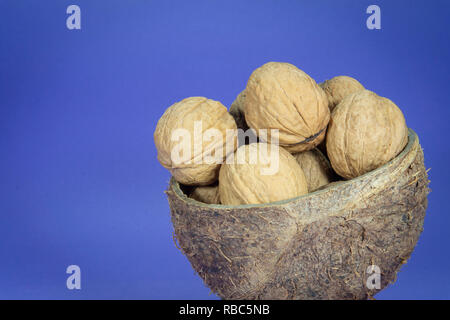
(79, 179)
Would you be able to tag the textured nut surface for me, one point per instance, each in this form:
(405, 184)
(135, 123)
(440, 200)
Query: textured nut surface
(365, 132)
(184, 115)
(237, 111)
(338, 88)
(245, 183)
(315, 166)
(281, 96)
(206, 194)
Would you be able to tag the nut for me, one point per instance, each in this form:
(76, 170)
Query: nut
(331, 184)
(365, 132)
(260, 173)
(206, 194)
(281, 96)
(188, 121)
(316, 167)
(338, 88)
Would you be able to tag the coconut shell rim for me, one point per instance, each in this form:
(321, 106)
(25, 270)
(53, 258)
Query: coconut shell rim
(175, 185)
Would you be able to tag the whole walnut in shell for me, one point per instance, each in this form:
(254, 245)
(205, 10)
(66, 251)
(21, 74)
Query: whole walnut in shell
(365, 132)
(206, 194)
(316, 167)
(192, 141)
(237, 111)
(281, 96)
(338, 88)
(260, 173)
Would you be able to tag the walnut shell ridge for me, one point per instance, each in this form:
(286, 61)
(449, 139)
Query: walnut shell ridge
(185, 115)
(316, 246)
(281, 96)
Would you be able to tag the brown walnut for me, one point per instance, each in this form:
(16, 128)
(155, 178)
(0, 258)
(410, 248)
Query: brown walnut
(365, 132)
(261, 177)
(281, 96)
(316, 167)
(185, 115)
(338, 88)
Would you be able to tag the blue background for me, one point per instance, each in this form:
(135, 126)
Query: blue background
(79, 179)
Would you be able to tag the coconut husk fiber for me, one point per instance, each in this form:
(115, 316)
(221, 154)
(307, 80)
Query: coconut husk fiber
(316, 246)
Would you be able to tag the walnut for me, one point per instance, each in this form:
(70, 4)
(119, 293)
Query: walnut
(260, 173)
(365, 132)
(206, 194)
(187, 147)
(281, 96)
(338, 88)
(316, 167)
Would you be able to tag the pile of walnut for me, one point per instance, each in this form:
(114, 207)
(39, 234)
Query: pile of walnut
(357, 131)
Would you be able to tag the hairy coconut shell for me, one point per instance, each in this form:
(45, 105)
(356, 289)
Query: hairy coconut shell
(316, 246)
(281, 96)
